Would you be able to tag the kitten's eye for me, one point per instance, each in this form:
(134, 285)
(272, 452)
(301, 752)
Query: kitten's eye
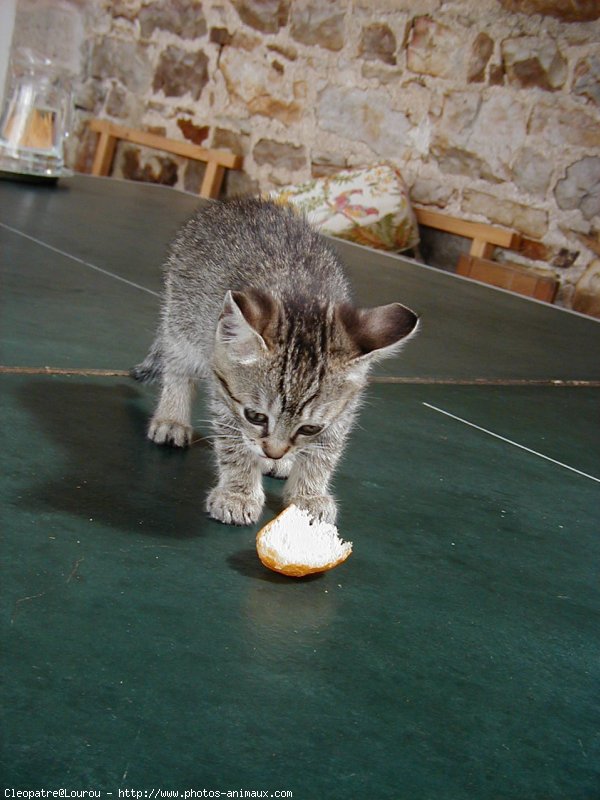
(255, 417)
(309, 430)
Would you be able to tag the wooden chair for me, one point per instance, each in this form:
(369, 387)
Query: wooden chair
(478, 264)
(485, 238)
(217, 161)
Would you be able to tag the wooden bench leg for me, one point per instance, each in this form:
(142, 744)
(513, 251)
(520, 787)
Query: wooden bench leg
(213, 178)
(105, 151)
(482, 249)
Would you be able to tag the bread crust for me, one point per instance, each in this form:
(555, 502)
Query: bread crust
(270, 561)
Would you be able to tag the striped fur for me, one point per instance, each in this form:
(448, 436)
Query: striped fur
(256, 304)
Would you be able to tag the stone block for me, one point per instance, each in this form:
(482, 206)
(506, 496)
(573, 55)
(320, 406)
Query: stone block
(383, 73)
(263, 90)
(530, 221)
(500, 128)
(530, 61)
(220, 36)
(319, 22)
(127, 9)
(325, 164)
(125, 61)
(180, 72)
(481, 52)
(280, 155)
(560, 121)
(287, 51)
(193, 133)
(181, 17)
(397, 6)
(267, 16)
(580, 188)
(532, 172)
(89, 95)
(237, 143)
(429, 192)
(465, 131)
(435, 49)
(571, 11)
(378, 43)
(457, 161)
(123, 104)
(459, 113)
(245, 41)
(586, 79)
(366, 117)
(496, 75)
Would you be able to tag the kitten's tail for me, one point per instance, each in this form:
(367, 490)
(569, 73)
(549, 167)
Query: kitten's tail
(151, 368)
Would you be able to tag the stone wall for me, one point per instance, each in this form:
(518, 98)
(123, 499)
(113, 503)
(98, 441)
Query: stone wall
(491, 108)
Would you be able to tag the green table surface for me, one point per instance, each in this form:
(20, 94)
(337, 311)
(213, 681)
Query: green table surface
(144, 647)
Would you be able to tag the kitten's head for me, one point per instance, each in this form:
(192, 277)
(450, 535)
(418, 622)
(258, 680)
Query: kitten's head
(289, 371)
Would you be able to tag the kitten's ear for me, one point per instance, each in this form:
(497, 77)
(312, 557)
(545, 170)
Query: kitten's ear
(236, 333)
(378, 332)
(259, 310)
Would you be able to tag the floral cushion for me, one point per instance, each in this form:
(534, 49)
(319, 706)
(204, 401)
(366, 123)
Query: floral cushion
(369, 206)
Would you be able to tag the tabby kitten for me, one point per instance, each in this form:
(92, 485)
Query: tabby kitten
(256, 303)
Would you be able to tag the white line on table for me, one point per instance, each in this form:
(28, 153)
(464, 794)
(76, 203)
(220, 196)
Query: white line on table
(78, 260)
(509, 441)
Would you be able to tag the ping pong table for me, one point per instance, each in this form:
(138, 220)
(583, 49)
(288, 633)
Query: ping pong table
(144, 646)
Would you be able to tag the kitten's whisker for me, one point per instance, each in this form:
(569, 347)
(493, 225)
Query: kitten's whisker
(216, 420)
(314, 447)
(218, 425)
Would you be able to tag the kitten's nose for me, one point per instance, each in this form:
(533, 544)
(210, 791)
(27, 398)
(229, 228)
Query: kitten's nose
(274, 451)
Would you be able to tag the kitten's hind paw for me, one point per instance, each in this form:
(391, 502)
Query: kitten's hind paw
(233, 508)
(168, 431)
(320, 507)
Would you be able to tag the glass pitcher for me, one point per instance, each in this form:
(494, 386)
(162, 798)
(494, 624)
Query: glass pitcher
(36, 118)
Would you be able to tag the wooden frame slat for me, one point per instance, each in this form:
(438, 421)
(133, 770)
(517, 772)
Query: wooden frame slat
(217, 161)
(513, 277)
(213, 178)
(485, 238)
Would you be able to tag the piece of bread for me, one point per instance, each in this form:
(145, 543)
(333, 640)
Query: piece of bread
(294, 544)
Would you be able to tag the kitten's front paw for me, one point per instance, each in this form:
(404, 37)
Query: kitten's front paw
(168, 431)
(320, 507)
(233, 508)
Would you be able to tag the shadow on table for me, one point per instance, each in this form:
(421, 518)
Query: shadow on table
(101, 465)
